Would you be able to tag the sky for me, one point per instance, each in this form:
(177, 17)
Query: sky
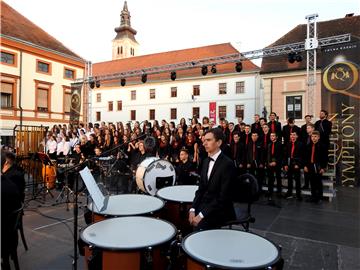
(87, 26)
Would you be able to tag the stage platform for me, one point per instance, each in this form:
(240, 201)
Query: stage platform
(312, 236)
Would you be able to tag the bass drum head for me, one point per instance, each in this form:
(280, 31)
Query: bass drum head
(140, 172)
(160, 173)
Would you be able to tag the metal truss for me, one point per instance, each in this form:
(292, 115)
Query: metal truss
(218, 60)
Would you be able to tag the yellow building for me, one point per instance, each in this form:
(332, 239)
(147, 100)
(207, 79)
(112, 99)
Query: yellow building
(36, 73)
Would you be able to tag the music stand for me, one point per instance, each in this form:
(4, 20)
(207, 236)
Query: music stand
(45, 160)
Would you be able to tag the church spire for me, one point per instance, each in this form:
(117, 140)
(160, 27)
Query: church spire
(125, 28)
(124, 44)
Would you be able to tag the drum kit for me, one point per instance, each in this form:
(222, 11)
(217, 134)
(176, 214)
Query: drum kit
(151, 231)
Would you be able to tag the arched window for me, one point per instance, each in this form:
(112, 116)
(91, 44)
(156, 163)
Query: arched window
(118, 50)
(121, 50)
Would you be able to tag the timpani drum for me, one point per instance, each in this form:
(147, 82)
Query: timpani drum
(127, 243)
(154, 173)
(178, 203)
(127, 205)
(229, 249)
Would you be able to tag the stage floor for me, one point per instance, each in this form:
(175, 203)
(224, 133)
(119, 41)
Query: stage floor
(323, 236)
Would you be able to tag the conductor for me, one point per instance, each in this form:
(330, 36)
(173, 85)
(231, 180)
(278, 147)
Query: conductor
(212, 206)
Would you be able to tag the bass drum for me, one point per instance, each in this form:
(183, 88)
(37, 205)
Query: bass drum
(153, 174)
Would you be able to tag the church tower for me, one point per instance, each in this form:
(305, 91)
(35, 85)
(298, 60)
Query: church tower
(124, 44)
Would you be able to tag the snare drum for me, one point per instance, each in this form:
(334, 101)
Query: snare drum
(126, 242)
(178, 203)
(127, 205)
(154, 173)
(229, 249)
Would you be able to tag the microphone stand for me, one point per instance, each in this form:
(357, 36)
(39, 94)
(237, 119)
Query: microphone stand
(75, 257)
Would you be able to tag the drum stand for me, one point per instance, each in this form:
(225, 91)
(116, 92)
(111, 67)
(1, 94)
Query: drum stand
(65, 190)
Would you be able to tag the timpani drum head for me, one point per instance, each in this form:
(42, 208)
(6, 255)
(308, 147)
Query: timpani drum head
(129, 205)
(181, 193)
(230, 249)
(128, 233)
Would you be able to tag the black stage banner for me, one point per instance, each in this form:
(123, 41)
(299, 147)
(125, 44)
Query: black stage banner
(341, 98)
(75, 103)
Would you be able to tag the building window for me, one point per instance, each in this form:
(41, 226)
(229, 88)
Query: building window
(152, 93)
(173, 91)
(294, 107)
(43, 67)
(240, 87)
(69, 73)
(98, 97)
(173, 113)
(222, 112)
(67, 100)
(222, 88)
(8, 58)
(42, 99)
(196, 90)
(133, 94)
(152, 114)
(119, 105)
(110, 106)
(7, 95)
(239, 111)
(133, 115)
(98, 116)
(196, 112)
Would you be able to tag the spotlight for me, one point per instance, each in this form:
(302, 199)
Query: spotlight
(144, 78)
(238, 67)
(92, 84)
(298, 57)
(292, 57)
(204, 70)
(97, 83)
(213, 69)
(173, 75)
(123, 82)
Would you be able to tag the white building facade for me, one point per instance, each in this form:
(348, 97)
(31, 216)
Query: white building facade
(235, 95)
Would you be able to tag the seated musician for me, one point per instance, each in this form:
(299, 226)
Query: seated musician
(184, 169)
(212, 206)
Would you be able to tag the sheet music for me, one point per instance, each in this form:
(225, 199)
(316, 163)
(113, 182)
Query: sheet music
(97, 196)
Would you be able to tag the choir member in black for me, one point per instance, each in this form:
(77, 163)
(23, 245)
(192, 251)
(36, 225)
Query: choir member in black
(255, 159)
(246, 137)
(237, 153)
(191, 146)
(184, 169)
(90, 146)
(164, 150)
(274, 125)
(324, 127)
(175, 147)
(239, 124)
(225, 129)
(293, 160)
(316, 159)
(256, 127)
(306, 141)
(274, 163)
(231, 133)
(183, 124)
(303, 132)
(288, 129)
(205, 123)
(142, 154)
(265, 138)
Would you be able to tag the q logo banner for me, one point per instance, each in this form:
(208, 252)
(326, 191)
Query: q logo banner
(341, 77)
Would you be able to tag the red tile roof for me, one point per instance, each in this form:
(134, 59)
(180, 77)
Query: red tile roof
(15, 25)
(173, 57)
(325, 29)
